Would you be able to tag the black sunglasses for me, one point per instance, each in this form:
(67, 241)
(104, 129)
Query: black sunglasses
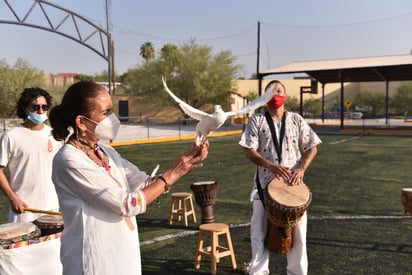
(36, 107)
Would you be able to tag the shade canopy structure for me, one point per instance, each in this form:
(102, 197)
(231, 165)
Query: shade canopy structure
(361, 69)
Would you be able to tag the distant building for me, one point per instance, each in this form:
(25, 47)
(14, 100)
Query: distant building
(237, 102)
(115, 84)
(64, 79)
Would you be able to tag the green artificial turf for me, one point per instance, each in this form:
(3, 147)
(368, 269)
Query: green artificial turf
(356, 223)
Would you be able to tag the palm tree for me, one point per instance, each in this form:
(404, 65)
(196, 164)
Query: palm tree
(147, 51)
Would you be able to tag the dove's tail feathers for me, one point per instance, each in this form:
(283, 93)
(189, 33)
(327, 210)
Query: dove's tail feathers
(200, 139)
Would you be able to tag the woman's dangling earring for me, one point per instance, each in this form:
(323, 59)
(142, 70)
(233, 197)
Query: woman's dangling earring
(83, 134)
(77, 134)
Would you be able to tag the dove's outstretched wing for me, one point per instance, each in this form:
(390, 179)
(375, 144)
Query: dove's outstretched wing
(189, 110)
(254, 104)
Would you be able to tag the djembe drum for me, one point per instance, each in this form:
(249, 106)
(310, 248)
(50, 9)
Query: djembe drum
(205, 196)
(49, 224)
(406, 198)
(285, 205)
(13, 235)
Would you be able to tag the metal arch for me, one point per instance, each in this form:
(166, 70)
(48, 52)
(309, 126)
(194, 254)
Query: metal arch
(75, 23)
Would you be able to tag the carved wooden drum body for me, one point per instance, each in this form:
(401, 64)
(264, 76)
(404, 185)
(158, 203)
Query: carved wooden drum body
(205, 196)
(285, 205)
(50, 224)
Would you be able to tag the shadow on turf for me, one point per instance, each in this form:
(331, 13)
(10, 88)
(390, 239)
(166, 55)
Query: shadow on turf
(370, 246)
(185, 267)
(146, 224)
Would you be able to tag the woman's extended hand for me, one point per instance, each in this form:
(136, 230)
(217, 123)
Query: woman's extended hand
(192, 159)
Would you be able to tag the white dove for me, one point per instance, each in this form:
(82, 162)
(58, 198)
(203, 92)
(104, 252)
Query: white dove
(211, 122)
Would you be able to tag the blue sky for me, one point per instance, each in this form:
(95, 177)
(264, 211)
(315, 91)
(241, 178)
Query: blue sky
(293, 30)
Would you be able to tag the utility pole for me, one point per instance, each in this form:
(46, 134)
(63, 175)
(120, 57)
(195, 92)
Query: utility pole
(109, 48)
(257, 62)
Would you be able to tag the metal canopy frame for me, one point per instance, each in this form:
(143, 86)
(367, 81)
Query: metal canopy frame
(69, 24)
(364, 69)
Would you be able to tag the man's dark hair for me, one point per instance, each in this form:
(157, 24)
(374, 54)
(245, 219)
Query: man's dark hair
(27, 97)
(272, 83)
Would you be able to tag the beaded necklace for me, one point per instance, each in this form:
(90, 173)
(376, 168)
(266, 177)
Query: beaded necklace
(97, 153)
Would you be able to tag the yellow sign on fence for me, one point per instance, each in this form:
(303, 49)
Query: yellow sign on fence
(347, 103)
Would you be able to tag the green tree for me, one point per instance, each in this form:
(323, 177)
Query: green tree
(13, 80)
(170, 55)
(85, 77)
(401, 102)
(313, 106)
(194, 73)
(377, 101)
(203, 77)
(147, 51)
(292, 104)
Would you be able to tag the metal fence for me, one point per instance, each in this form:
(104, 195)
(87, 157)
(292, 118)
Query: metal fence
(133, 128)
(7, 123)
(137, 128)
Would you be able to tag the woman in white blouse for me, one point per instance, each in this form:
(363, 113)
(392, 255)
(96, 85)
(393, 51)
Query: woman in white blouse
(99, 191)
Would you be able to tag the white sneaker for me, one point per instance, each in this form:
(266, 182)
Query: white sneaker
(246, 267)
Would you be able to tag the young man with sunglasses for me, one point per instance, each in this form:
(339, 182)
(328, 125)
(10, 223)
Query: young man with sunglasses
(28, 150)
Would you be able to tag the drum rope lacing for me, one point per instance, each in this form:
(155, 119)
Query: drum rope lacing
(290, 217)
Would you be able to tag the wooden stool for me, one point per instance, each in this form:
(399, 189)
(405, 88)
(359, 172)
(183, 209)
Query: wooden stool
(215, 251)
(180, 209)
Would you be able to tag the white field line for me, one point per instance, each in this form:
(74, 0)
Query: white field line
(357, 217)
(344, 140)
(169, 236)
(364, 144)
(183, 234)
(193, 232)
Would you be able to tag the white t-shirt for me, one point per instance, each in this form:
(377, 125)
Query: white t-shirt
(100, 231)
(29, 155)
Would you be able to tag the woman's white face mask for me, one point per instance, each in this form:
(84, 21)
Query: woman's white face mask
(107, 128)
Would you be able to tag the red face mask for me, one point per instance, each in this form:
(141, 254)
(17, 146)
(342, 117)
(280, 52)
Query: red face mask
(276, 102)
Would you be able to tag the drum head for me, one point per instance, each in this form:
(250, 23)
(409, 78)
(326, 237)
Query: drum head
(11, 231)
(288, 195)
(50, 219)
(204, 183)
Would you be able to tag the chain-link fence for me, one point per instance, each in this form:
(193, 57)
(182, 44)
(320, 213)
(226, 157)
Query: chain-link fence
(7, 123)
(137, 128)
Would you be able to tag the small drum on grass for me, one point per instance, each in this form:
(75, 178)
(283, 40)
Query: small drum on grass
(406, 198)
(50, 224)
(285, 205)
(205, 197)
(13, 235)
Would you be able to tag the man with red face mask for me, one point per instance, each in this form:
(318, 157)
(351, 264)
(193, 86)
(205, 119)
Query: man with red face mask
(287, 156)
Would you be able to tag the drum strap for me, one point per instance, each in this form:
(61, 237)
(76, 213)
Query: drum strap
(259, 187)
(278, 144)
